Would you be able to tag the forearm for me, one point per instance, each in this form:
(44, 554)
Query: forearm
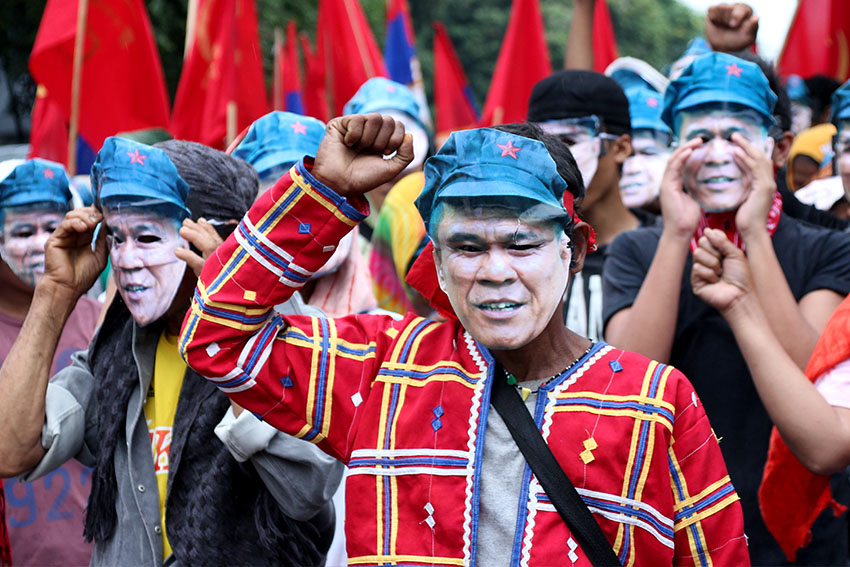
(579, 53)
(649, 325)
(24, 377)
(815, 431)
(794, 332)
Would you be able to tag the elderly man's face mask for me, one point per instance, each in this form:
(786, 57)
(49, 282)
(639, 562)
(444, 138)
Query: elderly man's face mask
(642, 171)
(712, 174)
(584, 137)
(504, 276)
(146, 271)
(25, 232)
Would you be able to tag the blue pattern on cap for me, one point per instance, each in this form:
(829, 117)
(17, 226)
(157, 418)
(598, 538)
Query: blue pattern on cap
(840, 104)
(645, 109)
(379, 94)
(719, 78)
(276, 141)
(796, 88)
(133, 171)
(35, 181)
(486, 162)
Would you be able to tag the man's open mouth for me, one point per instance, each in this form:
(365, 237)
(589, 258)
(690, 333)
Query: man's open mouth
(499, 305)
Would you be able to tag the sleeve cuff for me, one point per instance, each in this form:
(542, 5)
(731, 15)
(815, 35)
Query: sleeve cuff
(244, 435)
(356, 209)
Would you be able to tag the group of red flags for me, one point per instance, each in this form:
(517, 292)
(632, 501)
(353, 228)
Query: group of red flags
(122, 88)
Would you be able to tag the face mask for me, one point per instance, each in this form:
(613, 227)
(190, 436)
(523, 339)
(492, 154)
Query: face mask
(582, 136)
(643, 170)
(24, 237)
(586, 155)
(146, 271)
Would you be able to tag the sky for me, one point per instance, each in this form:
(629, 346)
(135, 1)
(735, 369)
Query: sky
(774, 18)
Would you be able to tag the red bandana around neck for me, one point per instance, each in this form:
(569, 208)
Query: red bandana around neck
(725, 221)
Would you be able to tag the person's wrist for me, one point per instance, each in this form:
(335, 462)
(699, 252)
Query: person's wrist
(57, 295)
(742, 310)
(677, 234)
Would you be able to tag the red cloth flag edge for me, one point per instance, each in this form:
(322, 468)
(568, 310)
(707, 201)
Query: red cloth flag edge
(455, 107)
(315, 94)
(604, 41)
(818, 40)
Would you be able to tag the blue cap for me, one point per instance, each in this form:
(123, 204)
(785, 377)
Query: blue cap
(796, 88)
(279, 139)
(486, 162)
(34, 182)
(719, 78)
(697, 46)
(130, 172)
(645, 109)
(379, 94)
(840, 104)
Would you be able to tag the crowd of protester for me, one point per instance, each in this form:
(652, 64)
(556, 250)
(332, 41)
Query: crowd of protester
(316, 330)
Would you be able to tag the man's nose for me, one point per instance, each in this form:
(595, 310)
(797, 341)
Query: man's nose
(497, 268)
(127, 255)
(718, 151)
(41, 238)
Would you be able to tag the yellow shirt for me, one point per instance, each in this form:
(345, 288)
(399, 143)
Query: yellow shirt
(160, 407)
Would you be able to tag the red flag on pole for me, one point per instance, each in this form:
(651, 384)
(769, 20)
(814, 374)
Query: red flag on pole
(351, 52)
(123, 88)
(604, 41)
(48, 130)
(523, 60)
(287, 72)
(224, 67)
(455, 107)
(818, 41)
(315, 94)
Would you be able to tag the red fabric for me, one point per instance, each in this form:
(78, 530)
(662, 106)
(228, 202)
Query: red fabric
(315, 93)
(289, 74)
(224, 64)
(49, 130)
(452, 96)
(817, 41)
(604, 41)
(790, 496)
(352, 54)
(123, 88)
(523, 60)
(725, 221)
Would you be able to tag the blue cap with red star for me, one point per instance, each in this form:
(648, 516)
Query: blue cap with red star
(719, 80)
(488, 163)
(128, 173)
(279, 139)
(34, 182)
(645, 109)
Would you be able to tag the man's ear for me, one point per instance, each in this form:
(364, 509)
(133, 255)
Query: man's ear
(581, 236)
(621, 148)
(782, 148)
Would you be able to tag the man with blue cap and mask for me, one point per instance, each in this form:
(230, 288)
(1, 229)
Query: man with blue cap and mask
(406, 403)
(177, 467)
(721, 177)
(34, 198)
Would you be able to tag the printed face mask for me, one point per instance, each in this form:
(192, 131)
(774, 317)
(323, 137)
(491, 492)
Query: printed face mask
(711, 174)
(25, 233)
(581, 135)
(642, 171)
(146, 271)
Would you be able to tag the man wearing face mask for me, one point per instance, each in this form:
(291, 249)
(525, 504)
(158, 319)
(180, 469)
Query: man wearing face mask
(721, 177)
(45, 517)
(590, 113)
(177, 468)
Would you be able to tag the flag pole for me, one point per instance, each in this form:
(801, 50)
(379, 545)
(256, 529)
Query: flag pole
(277, 86)
(191, 17)
(232, 115)
(76, 80)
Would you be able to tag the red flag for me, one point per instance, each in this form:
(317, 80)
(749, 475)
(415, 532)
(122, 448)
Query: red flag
(48, 130)
(122, 87)
(817, 41)
(315, 95)
(288, 73)
(224, 65)
(604, 42)
(523, 60)
(456, 109)
(351, 53)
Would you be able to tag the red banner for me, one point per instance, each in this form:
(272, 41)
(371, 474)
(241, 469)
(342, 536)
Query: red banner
(818, 41)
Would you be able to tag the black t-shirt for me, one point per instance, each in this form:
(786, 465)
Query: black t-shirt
(704, 349)
(583, 300)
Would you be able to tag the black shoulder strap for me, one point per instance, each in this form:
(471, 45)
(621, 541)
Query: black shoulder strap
(549, 473)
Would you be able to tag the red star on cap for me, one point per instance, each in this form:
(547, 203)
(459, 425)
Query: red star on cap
(136, 157)
(652, 102)
(299, 128)
(391, 88)
(733, 69)
(509, 149)
(48, 173)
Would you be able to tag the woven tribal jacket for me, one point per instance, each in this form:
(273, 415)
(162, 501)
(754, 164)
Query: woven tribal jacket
(404, 403)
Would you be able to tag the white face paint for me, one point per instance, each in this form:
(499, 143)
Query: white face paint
(711, 174)
(642, 171)
(505, 278)
(420, 137)
(801, 117)
(25, 232)
(146, 271)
